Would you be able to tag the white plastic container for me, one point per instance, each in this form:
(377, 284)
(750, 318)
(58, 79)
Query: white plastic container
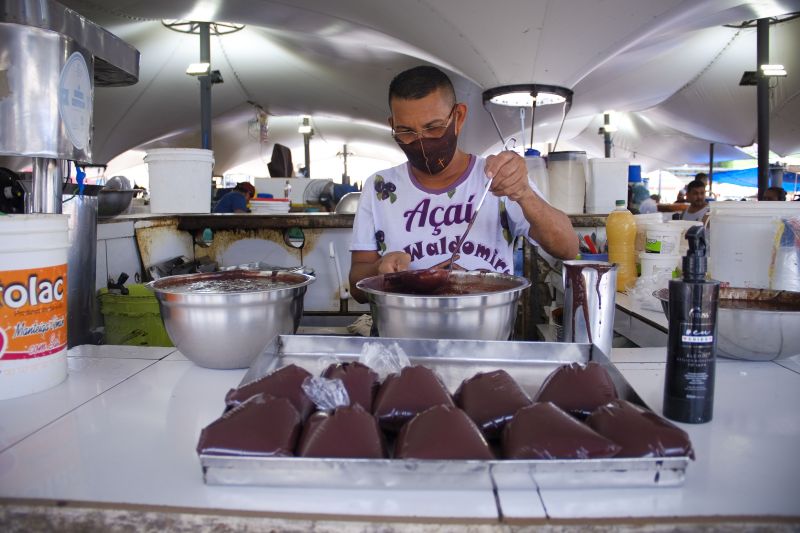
(269, 205)
(33, 303)
(606, 183)
(567, 173)
(684, 225)
(653, 264)
(537, 171)
(180, 180)
(742, 236)
(662, 239)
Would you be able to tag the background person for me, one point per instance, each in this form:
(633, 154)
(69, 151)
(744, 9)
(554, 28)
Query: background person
(412, 215)
(649, 205)
(236, 201)
(775, 194)
(696, 196)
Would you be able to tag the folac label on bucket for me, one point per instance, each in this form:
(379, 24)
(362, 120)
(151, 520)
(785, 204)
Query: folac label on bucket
(33, 312)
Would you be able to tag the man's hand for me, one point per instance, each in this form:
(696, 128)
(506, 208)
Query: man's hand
(510, 176)
(393, 262)
(550, 227)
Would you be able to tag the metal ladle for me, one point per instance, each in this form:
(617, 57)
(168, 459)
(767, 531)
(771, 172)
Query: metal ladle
(428, 280)
(511, 141)
(469, 226)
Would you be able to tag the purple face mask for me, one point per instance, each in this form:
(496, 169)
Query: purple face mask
(432, 155)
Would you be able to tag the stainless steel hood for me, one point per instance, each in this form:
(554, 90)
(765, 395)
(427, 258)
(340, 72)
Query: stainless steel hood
(116, 63)
(51, 60)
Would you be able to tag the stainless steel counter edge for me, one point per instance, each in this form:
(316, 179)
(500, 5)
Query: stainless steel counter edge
(199, 221)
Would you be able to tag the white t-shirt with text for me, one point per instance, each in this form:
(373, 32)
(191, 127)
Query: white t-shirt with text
(396, 213)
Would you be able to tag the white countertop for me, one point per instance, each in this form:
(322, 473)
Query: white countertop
(629, 305)
(122, 429)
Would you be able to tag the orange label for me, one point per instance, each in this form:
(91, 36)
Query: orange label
(33, 312)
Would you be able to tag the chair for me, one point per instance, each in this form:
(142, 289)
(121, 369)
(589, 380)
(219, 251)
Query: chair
(281, 164)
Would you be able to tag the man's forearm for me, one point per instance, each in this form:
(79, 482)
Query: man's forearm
(359, 271)
(550, 227)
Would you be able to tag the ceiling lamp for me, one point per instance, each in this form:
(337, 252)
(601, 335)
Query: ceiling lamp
(198, 69)
(523, 95)
(773, 70)
(193, 26)
(750, 77)
(528, 95)
(305, 126)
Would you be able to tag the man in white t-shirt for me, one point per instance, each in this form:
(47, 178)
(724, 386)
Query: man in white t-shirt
(411, 216)
(698, 208)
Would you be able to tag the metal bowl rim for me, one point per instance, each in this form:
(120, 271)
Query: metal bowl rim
(524, 283)
(662, 295)
(153, 285)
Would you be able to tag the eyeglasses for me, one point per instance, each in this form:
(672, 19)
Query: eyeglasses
(434, 132)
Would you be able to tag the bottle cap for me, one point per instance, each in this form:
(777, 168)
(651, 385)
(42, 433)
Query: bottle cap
(695, 262)
(621, 203)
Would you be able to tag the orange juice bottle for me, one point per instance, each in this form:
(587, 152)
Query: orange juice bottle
(621, 233)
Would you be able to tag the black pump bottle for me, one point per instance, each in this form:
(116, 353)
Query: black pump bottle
(692, 339)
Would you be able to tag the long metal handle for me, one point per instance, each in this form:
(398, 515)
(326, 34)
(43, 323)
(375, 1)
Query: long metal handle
(471, 222)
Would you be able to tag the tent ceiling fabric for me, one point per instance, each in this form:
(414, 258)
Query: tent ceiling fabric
(669, 64)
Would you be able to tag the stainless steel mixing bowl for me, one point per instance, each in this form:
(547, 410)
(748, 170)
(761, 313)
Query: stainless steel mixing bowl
(750, 333)
(488, 312)
(111, 202)
(229, 329)
(348, 203)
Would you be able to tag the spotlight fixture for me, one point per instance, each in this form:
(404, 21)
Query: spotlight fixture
(750, 77)
(773, 70)
(216, 77)
(198, 69)
(305, 126)
(609, 122)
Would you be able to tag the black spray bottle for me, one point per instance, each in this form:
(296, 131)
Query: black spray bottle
(692, 339)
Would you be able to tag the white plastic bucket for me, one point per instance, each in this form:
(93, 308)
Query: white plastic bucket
(180, 180)
(33, 303)
(270, 205)
(606, 183)
(642, 224)
(662, 239)
(684, 225)
(654, 264)
(742, 236)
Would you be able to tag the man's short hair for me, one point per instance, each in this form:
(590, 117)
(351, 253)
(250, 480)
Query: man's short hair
(694, 185)
(419, 82)
(246, 187)
(701, 176)
(780, 191)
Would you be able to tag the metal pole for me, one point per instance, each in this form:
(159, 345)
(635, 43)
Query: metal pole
(606, 134)
(533, 116)
(47, 185)
(205, 86)
(307, 146)
(762, 97)
(710, 166)
(345, 177)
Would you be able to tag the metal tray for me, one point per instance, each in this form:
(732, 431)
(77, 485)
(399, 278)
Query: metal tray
(455, 360)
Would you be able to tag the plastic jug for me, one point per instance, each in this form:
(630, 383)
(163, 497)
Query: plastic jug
(621, 233)
(537, 172)
(567, 172)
